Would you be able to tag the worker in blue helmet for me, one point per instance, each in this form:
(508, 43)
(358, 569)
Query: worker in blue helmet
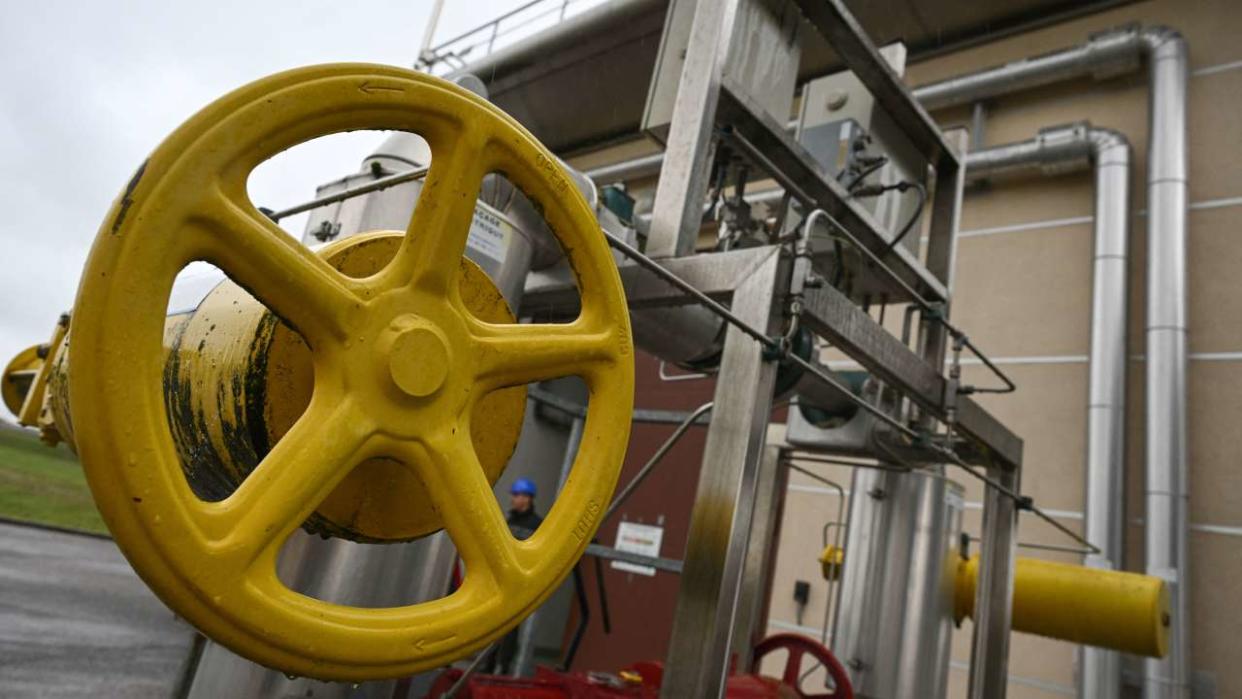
(523, 519)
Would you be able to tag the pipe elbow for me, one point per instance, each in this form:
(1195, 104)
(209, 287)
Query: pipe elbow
(1161, 42)
(1158, 35)
(1109, 145)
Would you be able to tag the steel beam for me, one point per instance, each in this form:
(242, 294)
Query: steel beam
(716, 274)
(720, 524)
(945, 214)
(989, 649)
(829, 314)
(750, 625)
(677, 211)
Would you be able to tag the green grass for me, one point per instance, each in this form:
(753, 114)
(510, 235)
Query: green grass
(44, 485)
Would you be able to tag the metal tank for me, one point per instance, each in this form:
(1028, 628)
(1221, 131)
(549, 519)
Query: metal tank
(895, 621)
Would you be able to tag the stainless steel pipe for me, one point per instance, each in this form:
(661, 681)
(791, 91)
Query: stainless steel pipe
(1054, 151)
(1167, 472)
(1104, 55)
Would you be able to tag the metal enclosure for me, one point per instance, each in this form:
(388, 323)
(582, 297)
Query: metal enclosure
(836, 113)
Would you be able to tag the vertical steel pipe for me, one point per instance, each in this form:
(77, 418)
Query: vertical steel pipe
(1167, 487)
(1053, 151)
(1100, 671)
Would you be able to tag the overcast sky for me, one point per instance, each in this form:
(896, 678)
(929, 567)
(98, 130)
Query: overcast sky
(89, 87)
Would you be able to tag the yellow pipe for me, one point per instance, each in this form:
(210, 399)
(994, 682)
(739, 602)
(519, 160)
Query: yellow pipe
(1128, 612)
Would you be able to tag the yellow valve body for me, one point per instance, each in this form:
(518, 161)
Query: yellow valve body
(1123, 611)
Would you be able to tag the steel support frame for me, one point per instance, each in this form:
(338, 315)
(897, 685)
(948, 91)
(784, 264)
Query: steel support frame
(751, 623)
(724, 506)
(764, 142)
(677, 212)
(720, 529)
(989, 648)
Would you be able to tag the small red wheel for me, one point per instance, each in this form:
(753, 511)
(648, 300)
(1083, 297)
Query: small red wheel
(799, 646)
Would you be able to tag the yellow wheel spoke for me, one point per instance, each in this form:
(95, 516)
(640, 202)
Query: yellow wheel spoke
(437, 233)
(289, 483)
(288, 278)
(511, 355)
(450, 470)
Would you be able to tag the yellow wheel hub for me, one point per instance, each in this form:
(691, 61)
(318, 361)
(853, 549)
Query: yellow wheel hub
(232, 351)
(419, 358)
(214, 562)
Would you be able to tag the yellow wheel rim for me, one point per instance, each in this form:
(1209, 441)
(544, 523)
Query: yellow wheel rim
(214, 563)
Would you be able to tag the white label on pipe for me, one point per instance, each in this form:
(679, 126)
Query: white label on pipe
(489, 234)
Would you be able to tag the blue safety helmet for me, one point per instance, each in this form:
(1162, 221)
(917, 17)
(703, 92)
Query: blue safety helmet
(523, 486)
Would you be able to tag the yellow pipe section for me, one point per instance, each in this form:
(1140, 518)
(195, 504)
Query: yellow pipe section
(1128, 612)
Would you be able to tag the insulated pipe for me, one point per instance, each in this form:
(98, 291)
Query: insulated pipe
(1104, 55)
(626, 170)
(1056, 150)
(1167, 477)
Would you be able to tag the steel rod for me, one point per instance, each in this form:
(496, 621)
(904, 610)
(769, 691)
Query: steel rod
(377, 185)
(655, 459)
(1046, 547)
(472, 668)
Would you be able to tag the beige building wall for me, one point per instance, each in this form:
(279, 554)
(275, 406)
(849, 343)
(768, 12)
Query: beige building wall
(1023, 293)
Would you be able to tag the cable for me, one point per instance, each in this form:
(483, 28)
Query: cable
(866, 172)
(914, 217)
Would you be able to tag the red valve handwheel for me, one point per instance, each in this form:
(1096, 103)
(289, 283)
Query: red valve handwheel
(798, 647)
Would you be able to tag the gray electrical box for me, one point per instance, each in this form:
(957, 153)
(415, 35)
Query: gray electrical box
(841, 125)
(763, 59)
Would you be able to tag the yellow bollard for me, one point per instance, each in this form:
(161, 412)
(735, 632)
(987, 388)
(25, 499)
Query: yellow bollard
(1123, 611)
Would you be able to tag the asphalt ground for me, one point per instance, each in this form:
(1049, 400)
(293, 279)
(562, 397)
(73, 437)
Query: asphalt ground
(75, 621)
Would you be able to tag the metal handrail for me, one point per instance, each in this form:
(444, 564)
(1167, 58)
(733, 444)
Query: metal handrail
(491, 31)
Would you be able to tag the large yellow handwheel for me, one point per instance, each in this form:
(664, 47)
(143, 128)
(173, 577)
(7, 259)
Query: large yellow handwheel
(398, 362)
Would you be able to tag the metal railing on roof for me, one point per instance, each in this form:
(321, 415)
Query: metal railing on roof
(518, 23)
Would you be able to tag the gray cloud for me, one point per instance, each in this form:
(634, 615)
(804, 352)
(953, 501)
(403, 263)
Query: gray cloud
(89, 88)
